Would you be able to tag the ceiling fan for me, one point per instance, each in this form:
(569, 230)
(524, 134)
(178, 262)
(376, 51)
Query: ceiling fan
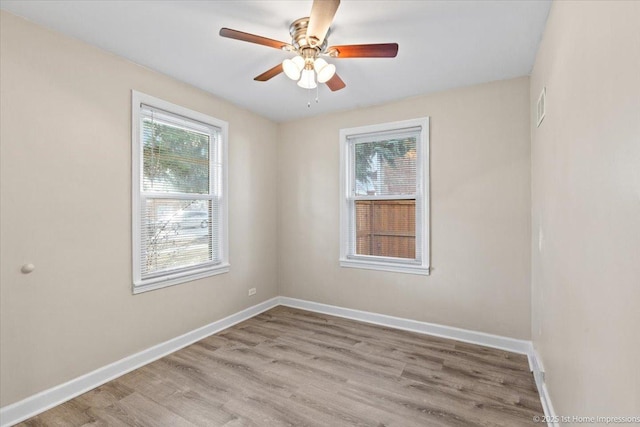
(309, 40)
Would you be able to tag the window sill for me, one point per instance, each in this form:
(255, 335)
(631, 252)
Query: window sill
(163, 282)
(386, 266)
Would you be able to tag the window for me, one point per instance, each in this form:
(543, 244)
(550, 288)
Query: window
(385, 197)
(179, 194)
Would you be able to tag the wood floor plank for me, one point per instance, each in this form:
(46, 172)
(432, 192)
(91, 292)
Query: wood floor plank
(105, 395)
(198, 405)
(290, 367)
(138, 410)
(71, 413)
(339, 410)
(347, 353)
(447, 381)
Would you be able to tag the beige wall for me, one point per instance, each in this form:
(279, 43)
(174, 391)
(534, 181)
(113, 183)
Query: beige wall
(586, 202)
(480, 212)
(66, 207)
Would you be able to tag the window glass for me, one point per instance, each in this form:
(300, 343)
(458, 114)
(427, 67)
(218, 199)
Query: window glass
(179, 201)
(384, 217)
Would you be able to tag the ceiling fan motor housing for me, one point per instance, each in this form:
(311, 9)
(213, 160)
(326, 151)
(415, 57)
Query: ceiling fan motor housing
(302, 43)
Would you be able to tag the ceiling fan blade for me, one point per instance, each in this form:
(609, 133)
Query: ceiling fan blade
(335, 83)
(269, 73)
(322, 13)
(381, 50)
(252, 38)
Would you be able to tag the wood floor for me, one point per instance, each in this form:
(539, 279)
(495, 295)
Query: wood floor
(288, 367)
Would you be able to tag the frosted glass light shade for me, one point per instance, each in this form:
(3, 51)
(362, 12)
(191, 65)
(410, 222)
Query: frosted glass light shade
(325, 71)
(308, 80)
(293, 67)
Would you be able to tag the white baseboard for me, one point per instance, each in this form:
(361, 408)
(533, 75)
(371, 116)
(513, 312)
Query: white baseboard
(545, 399)
(488, 340)
(33, 405)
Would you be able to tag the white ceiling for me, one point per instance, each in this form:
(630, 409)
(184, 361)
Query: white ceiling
(443, 44)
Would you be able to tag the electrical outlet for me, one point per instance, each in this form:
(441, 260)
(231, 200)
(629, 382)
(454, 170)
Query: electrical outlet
(252, 291)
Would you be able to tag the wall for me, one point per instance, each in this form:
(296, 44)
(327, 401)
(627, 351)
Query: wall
(480, 212)
(66, 207)
(586, 205)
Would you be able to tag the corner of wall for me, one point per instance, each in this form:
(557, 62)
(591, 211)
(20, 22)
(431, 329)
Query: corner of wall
(278, 208)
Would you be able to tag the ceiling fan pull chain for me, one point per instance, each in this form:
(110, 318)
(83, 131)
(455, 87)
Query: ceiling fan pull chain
(317, 89)
(308, 98)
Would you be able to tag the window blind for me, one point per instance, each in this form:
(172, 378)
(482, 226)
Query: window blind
(179, 194)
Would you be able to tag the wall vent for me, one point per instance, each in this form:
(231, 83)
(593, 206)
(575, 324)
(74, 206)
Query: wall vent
(541, 107)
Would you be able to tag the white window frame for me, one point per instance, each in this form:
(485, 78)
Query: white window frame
(347, 177)
(188, 273)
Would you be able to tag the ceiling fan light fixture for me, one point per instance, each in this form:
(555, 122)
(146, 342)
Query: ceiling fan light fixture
(309, 40)
(293, 67)
(308, 80)
(325, 70)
